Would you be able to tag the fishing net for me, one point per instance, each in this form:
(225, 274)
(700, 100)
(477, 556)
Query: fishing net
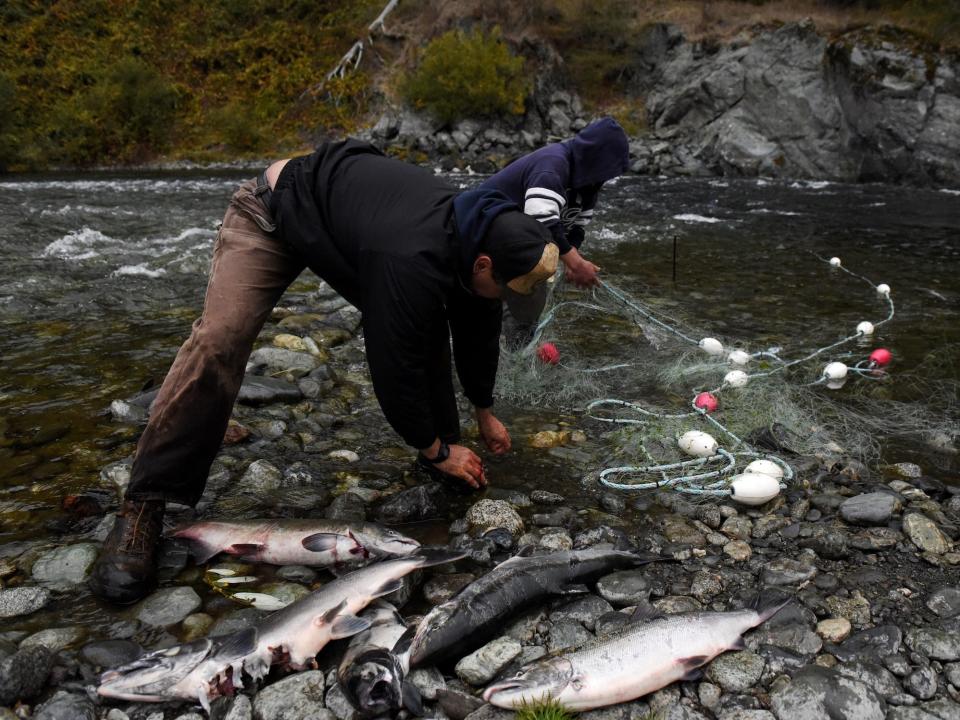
(640, 366)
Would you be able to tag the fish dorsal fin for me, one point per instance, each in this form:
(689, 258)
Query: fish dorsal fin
(388, 587)
(241, 643)
(330, 614)
(244, 548)
(320, 542)
(645, 612)
(523, 553)
(347, 625)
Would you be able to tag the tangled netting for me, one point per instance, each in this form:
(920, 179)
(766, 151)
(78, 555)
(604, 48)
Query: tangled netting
(615, 345)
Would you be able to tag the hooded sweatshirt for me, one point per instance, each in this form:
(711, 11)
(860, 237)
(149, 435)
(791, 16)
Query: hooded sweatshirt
(383, 234)
(559, 183)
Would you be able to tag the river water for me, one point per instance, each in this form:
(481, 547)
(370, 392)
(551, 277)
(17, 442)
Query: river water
(102, 274)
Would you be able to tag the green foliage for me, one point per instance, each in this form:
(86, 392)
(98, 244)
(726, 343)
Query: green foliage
(546, 709)
(464, 75)
(9, 122)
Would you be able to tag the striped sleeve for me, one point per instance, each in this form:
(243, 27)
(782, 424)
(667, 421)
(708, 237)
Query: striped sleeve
(543, 204)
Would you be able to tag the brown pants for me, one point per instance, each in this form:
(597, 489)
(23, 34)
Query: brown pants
(250, 271)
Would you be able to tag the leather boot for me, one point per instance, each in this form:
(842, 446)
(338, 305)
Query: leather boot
(126, 569)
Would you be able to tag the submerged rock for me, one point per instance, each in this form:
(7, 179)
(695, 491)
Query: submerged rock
(22, 601)
(417, 503)
(168, 606)
(65, 567)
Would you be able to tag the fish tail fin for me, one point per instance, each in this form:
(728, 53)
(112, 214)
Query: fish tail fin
(411, 698)
(202, 551)
(428, 557)
(766, 608)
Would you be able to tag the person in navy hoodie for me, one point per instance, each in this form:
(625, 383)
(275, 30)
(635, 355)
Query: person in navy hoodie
(559, 184)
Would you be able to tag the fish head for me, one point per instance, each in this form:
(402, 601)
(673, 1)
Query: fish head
(538, 682)
(384, 542)
(373, 683)
(153, 677)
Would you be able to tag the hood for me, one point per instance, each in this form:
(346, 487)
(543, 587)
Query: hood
(599, 152)
(475, 210)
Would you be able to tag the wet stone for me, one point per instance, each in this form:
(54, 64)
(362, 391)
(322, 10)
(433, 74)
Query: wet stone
(816, 693)
(545, 497)
(897, 664)
(855, 609)
(925, 534)
(784, 571)
(875, 539)
(298, 697)
(952, 673)
(239, 619)
(337, 702)
(110, 653)
(23, 674)
(428, 681)
(196, 626)
(874, 508)
(488, 514)
(742, 714)
(737, 527)
(260, 390)
(610, 622)
(677, 604)
(261, 476)
(922, 683)
(55, 639)
(678, 530)
(626, 587)
(240, 708)
(15, 602)
(945, 602)
(440, 588)
(709, 695)
(556, 541)
(168, 606)
(935, 643)
(737, 550)
(418, 503)
(876, 642)
(834, 630)
(797, 639)
(585, 610)
(481, 666)
(736, 671)
(567, 633)
(348, 507)
(872, 675)
(66, 706)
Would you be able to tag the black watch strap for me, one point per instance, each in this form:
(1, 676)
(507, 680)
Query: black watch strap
(442, 454)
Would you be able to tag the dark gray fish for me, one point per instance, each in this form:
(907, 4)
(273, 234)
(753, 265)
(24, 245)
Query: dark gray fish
(478, 612)
(370, 675)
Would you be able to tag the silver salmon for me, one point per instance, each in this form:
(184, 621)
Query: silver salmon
(207, 668)
(640, 658)
(370, 676)
(296, 542)
(478, 612)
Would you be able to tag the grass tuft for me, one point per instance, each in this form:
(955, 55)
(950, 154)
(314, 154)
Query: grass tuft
(546, 709)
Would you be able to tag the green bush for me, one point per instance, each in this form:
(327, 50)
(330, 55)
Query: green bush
(127, 113)
(9, 123)
(464, 75)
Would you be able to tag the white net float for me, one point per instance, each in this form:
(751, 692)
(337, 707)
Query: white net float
(865, 328)
(754, 488)
(764, 467)
(736, 378)
(698, 444)
(835, 371)
(711, 346)
(739, 357)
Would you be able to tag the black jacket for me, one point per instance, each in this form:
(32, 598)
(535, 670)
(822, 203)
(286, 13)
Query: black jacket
(381, 233)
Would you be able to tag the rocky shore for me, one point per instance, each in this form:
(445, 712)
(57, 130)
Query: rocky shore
(869, 558)
(870, 105)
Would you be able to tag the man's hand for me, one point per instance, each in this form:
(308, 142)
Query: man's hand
(492, 431)
(465, 464)
(580, 272)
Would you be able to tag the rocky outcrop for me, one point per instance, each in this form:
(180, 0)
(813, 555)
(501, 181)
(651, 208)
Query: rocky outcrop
(870, 105)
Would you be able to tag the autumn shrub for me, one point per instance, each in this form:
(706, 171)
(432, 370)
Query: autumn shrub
(9, 122)
(467, 75)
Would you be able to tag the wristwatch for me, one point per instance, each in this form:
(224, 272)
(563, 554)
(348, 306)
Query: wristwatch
(442, 454)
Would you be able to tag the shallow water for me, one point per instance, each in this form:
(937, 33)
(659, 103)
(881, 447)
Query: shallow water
(101, 276)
